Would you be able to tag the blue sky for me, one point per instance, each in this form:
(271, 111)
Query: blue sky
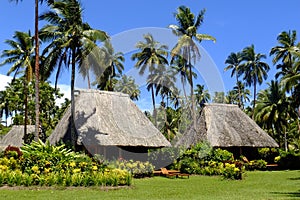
(234, 23)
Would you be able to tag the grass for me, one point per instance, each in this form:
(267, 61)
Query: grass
(256, 185)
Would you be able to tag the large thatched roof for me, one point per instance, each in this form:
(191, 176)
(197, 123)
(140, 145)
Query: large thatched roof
(108, 119)
(15, 136)
(225, 125)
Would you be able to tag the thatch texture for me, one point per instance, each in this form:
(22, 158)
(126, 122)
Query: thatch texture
(225, 125)
(108, 119)
(15, 136)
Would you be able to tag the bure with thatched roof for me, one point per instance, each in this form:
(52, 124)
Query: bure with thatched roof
(15, 137)
(225, 125)
(108, 119)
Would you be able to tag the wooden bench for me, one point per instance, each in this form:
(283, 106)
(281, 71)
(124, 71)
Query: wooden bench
(272, 166)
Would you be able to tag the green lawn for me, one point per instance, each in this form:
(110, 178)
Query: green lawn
(256, 185)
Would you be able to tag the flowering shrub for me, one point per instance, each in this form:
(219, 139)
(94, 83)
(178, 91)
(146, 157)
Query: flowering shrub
(137, 168)
(233, 171)
(203, 159)
(43, 164)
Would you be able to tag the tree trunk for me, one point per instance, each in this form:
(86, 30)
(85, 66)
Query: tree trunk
(239, 91)
(254, 98)
(88, 79)
(26, 138)
(153, 103)
(193, 113)
(183, 88)
(73, 129)
(37, 73)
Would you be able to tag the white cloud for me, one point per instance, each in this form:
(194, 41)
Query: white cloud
(64, 89)
(4, 80)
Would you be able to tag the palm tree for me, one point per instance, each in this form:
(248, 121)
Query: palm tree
(243, 92)
(234, 63)
(186, 29)
(288, 52)
(219, 97)
(21, 58)
(128, 86)
(178, 63)
(232, 97)
(286, 49)
(254, 70)
(4, 105)
(69, 37)
(37, 68)
(152, 54)
(202, 96)
(273, 109)
(113, 66)
(163, 80)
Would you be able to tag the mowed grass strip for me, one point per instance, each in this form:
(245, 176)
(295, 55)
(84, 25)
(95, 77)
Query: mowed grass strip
(256, 185)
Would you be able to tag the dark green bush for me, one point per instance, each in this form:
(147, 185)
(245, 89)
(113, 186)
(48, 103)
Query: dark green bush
(268, 154)
(288, 160)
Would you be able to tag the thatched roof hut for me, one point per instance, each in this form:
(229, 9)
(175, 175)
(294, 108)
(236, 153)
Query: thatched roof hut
(108, 119)
(15, 136)
(226, 125)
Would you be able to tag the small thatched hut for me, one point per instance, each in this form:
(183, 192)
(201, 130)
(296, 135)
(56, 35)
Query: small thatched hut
(109, 123)
(226, 126)
(15, 136)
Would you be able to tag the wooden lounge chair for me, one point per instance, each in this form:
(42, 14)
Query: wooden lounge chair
(173, 173)
(166, 173)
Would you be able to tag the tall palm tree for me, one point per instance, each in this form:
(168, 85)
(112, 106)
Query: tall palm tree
(21, 58)
(286, 48)
(69, 36)
(37, 61)
(243, 92)
(128, 86)
(186, 29)
(151, 55)
(234, 63)
(163, 79)
(254, 70)
(178, 63)
(113, 66)
(273, 110)
(202, 96)
(288, 52)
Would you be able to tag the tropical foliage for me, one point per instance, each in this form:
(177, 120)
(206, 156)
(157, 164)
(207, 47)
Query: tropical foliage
(46, 165)
(70, 42)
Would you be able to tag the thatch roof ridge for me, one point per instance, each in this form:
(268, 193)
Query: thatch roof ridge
(225, 125)
(109, 119)
(15, 136)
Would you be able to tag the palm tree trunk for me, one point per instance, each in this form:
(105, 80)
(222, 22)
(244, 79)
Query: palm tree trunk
(165, 118)
(37, 73)
(88, 79)
(192, 90)
(183, 88)
(153, 103)
(254, 98)
(26, 138)
(239, 91)
(73, 129)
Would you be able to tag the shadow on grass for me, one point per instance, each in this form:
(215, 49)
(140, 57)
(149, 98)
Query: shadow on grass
(288, 194)
(294, 179)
